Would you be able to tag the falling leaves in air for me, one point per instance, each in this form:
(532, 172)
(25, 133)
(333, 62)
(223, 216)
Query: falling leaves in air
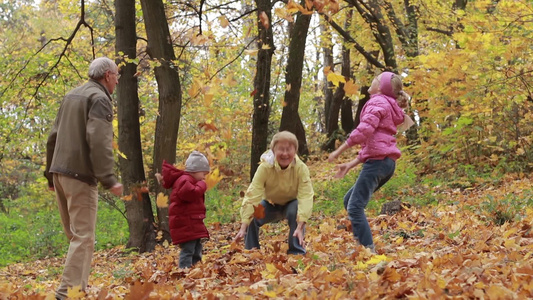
(350, 88)
(263, 18)
(223, 21)
(335, 78)
(162, 200)
(259, 211)
(213, 178)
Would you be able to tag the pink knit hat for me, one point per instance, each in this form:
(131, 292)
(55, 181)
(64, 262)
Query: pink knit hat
(385, 85)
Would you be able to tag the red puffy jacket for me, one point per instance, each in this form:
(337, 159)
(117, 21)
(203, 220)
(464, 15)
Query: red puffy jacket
(187, 209)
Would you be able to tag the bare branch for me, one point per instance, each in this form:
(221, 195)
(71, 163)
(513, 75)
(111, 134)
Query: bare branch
(371, 59)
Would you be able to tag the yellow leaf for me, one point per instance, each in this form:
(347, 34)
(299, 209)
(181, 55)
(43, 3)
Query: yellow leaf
(336, 78)
(208, 99)
(194, 89)
(284, 14)
(213, 178)
(121, 154)
(327, 70)
(162, 200)
(376, 259)
(265, 47)
(510, 243)
(293, 7)
(271, 294)
(223, 21)
(251, 52)
(75, 293)
(126, 197)
(350, 88)
(399, 240)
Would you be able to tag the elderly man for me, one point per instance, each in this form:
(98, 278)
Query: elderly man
(79, 155)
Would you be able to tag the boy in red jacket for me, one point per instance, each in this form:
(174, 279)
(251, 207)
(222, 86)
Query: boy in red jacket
(187, 209)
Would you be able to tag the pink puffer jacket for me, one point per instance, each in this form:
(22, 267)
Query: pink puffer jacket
(379, 118)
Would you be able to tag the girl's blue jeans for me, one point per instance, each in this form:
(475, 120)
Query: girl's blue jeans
(375, 174)
(275, 213)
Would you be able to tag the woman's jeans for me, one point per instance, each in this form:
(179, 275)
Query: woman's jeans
(375, 174)
(274, 213)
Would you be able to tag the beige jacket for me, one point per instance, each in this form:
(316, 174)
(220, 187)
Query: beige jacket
(80, 143)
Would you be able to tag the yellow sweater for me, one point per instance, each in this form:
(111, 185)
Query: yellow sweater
(279, 186)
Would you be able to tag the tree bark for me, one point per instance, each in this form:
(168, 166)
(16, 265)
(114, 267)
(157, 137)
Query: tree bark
(328, 86)
(340, 103)
(347, 119)
(290, 119)
(169, 88)
(261, 91)
(138, 211)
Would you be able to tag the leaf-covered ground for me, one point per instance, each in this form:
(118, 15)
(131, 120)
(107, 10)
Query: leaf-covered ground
(447, 251)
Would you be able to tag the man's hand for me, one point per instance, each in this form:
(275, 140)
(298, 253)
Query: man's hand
(241, 234)
(117, 189)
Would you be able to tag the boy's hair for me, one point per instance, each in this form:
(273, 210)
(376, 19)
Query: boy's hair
(284, 136)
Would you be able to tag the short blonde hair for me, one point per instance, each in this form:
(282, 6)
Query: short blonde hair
(284, 136)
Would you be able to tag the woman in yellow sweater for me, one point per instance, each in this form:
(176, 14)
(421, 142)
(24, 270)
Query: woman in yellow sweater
(283, 187)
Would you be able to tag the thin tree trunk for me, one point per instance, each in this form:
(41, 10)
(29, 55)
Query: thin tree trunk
(261, 86)
(169, 88)
(347, 120)
(328, 86)
(139, 213)
(290, 119)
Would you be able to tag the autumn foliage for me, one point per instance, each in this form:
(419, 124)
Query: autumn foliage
(431, 252)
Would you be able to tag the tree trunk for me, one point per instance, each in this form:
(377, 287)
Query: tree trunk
(328, 86)
(139, 213)
(347, 121)
(169, 88)
(339, 101)
(261, 86)
(290, 119)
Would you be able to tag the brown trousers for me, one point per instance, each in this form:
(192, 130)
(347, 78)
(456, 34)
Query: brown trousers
(78, 204)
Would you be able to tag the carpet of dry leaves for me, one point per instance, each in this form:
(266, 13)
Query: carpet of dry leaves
(448, 251)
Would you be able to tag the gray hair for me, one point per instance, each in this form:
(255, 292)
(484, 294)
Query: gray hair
(99, 66)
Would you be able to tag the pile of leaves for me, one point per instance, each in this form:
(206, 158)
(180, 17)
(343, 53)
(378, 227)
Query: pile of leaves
(448, 250)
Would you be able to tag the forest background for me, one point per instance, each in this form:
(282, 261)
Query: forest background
(223, 76)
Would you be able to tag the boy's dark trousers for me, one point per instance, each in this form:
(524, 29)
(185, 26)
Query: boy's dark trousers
(191, 253)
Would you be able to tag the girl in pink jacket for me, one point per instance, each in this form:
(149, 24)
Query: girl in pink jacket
(379, 120)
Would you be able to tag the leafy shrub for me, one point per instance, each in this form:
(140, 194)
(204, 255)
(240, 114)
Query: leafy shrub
(222, 205)
(33, 231)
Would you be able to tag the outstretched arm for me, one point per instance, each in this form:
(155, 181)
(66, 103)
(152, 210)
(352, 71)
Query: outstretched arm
(342, 169)
(333, 155)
